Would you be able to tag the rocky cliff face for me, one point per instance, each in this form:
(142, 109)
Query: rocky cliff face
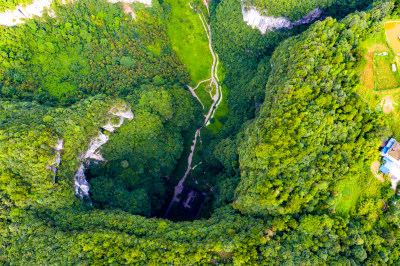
(256, 19)
(57, 159)
(17, 16)
(93, 153)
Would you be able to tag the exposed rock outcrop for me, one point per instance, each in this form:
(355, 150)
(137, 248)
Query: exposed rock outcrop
(123, 114)
(17, 16)
(81, 184)
(57, 160)
(93, 153)
(94, 145)
(255, 18)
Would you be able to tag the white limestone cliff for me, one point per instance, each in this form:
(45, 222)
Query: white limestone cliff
(122, 113)
(94, 145)
(255, 18)
(81, 185)
(17, 16)
(57, 160)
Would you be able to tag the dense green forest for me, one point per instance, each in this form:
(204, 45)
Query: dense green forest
(11, 4)
(96, 49)
(296, 128)
(311, 123)
(46, 63)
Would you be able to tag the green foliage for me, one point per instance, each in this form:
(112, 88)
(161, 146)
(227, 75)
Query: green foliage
(98, 237)
(128, 62)
(244, 54)
(27, 148)
(113, 194)
(11, 4)
(312, 132)
(188, 39)
(313, 129)
(144, 151)
(61, 61)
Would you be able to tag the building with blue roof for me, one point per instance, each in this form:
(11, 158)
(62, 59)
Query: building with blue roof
(391, 155)
(387, 166)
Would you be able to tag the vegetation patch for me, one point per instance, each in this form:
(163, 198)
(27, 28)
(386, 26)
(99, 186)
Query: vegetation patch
(380, 100)
(353, 187)
(189, 39)
(104, 52)
(386, 72)
(202, 92)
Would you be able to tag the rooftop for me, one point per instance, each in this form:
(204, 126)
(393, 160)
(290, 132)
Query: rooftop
(394, 151)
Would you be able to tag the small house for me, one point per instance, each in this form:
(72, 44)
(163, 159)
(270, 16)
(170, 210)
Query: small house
(391, 155)
(394, 69)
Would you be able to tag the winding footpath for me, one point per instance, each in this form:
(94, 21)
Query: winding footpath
(216, 100)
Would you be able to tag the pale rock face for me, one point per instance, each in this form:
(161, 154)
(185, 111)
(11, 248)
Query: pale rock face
(13, 17)
(59, 146)
(264, 23)
(123, 113)
(98, 157)
(111, 128)
(254, 18)
(81, 184)
(95, 144)
(57, 160)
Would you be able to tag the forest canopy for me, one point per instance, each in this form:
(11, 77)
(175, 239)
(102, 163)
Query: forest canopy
(296, 128)
(96, 49)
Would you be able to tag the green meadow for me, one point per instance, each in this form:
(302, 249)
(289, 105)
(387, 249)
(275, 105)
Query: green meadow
(189, 39)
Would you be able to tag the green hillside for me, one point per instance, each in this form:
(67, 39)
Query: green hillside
(285, 173)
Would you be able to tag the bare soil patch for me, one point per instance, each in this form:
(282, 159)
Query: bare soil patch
(374, 169)
(129, 10)
(387, 103)
(368, 77)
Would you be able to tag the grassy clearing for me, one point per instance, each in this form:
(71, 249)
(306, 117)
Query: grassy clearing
(189, 39)
(385, 78)
(156, 48)
(375, 71)
(222, 111)
(352, 188)
(383, 101)
(204, 96)
(374, 44)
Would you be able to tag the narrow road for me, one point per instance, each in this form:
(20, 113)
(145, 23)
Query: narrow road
(216, 100)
